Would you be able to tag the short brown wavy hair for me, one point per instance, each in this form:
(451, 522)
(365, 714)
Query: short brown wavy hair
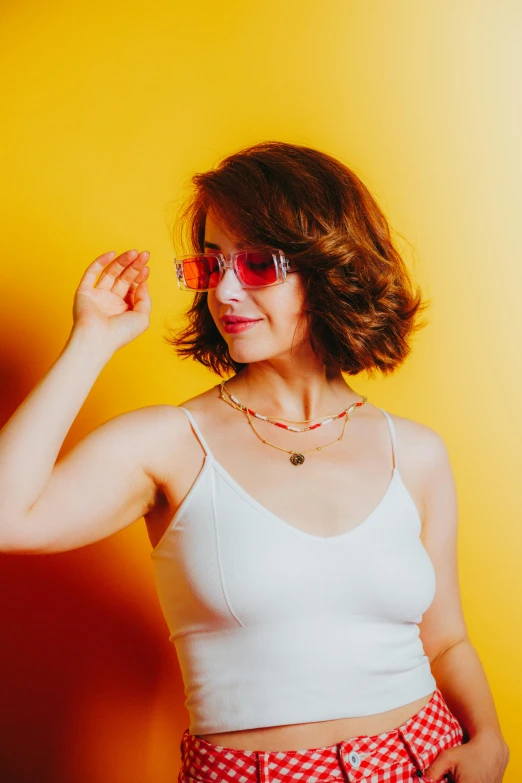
(360, 300)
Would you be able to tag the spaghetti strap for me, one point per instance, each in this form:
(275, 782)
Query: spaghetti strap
(392, 433)
(196, 430)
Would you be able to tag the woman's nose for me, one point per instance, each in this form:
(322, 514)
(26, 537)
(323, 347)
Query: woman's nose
(229, 287)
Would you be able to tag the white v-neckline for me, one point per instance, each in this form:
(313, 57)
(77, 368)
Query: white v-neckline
(264, 510)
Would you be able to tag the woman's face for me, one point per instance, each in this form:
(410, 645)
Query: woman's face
(276, 329)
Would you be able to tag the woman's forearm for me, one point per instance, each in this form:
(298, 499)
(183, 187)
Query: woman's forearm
(462, 681)
(31, 439)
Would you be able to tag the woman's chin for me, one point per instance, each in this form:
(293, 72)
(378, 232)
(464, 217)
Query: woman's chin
(244, 354)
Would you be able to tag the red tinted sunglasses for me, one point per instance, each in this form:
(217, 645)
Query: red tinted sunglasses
(254, 268)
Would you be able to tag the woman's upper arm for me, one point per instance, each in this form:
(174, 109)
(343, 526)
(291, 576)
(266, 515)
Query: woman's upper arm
(103, 484)
(443, 623)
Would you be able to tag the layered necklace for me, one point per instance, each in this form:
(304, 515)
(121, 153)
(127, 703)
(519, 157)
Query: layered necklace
(296, 457)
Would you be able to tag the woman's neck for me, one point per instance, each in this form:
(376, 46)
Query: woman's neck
(292, 395)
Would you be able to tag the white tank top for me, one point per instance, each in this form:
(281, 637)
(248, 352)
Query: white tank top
(273, 625)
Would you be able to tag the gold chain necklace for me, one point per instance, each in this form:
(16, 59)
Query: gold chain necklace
(297, 457)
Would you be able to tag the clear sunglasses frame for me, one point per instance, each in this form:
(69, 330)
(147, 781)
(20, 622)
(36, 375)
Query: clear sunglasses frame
(281, 264)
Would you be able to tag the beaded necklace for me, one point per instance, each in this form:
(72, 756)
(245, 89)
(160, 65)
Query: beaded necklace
(296, 458)
(272, 419)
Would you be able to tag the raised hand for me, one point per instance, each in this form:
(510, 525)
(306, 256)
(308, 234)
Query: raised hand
(116, 306)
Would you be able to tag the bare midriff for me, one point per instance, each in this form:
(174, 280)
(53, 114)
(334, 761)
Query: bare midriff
(299, 736)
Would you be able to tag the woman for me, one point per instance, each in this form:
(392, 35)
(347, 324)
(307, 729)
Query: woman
(309, 580)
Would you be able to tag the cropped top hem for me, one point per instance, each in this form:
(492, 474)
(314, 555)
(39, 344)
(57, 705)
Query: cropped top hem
(315, 672)
(312, 713)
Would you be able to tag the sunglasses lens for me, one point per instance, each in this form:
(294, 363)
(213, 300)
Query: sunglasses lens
(201, 272)
(257, 267)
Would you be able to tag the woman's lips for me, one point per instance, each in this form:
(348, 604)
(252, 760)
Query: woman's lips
(234, 327)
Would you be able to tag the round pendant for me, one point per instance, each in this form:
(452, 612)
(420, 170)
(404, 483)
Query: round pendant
(297, 459)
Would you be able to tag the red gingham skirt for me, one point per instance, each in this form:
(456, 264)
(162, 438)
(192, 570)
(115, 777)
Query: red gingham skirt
(397, 756)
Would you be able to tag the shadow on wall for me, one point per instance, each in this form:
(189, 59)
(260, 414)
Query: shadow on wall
(79, 677)
(90, 688)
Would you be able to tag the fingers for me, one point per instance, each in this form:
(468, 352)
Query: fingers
(117, 275)
(123, 267)
(142, 300)
(93, 270)
(141, 278)
(131, 274)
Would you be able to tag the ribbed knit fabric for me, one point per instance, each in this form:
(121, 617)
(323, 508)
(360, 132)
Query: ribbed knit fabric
(274, 626)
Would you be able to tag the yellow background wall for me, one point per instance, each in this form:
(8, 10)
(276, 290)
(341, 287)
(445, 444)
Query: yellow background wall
(108, 109)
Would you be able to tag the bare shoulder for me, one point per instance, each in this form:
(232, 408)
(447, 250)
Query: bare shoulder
(150, 437)
(203, 402)
(421, 441)
(423, 459)
(166, 434)
(148, 423)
